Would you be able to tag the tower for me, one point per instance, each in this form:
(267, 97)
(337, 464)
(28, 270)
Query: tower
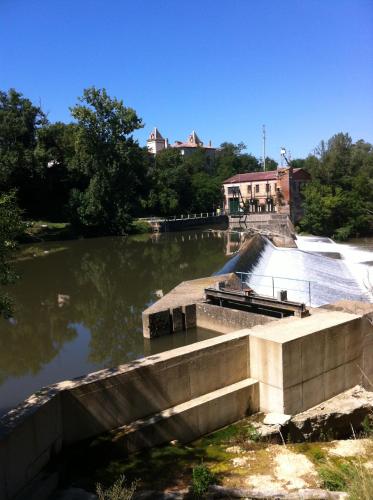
(156, 142)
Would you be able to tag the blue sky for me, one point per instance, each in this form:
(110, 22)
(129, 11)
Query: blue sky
(220, 67)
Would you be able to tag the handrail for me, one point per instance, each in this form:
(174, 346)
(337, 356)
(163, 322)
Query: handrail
(201, 215)
(245, 279)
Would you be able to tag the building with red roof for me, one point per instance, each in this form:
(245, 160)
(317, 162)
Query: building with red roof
(277, 190)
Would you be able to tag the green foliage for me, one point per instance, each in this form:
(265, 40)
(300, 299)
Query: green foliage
(108, 163)
(336, 476)
(352, 477)
(253, 434)
(202, 477)
(140, 227)
(10, 227)
(19, 124)
(118, 491)
(339, 202)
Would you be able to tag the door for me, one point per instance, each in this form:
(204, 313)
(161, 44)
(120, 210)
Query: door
(234, 205)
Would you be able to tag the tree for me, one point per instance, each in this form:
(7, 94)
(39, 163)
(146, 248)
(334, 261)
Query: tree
(339, 202)
(109, 164)
(54, 153)
(10, 227)
(232, 160)
(270, 164)
(171, 189)
(19, 123)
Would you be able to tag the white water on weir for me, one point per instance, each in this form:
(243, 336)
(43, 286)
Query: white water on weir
(318, 272)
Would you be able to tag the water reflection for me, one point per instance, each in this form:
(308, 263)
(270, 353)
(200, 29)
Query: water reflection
(79, 309)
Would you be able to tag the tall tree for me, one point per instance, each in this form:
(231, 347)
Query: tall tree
(10, 227)
(54, 153)
(108, 162)
(19, 123)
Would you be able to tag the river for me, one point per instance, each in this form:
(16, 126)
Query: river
(79, 303)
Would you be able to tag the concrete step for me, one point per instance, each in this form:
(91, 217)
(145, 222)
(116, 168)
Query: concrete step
(188, 421)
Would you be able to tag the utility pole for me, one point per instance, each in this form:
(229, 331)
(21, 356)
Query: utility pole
(264, 147)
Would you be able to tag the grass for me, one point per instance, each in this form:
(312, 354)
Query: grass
(351, 476)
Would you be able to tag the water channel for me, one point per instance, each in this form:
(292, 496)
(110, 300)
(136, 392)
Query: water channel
(79, 303)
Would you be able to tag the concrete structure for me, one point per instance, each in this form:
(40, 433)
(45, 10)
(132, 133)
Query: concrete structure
(284, 366)
(272, 191)
(157, 143)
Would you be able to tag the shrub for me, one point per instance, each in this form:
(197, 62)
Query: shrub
(141, 226)
(202, 478)
(118, 491)
(343, 233)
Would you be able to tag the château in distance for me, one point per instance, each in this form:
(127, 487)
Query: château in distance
(156, 143)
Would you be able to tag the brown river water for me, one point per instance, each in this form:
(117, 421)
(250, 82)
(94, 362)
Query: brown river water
(78, 304)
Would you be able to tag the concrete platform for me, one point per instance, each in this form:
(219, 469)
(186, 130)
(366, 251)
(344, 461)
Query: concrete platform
(176, 311)
(194, 418)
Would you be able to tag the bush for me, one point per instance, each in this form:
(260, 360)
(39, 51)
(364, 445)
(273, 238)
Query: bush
(140, 227)
(343, 233)
(202, 478)
(118, 491)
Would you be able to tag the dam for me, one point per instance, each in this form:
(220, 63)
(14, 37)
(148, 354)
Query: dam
(284, 366)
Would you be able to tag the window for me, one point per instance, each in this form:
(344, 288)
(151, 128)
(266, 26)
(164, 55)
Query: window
(268, 188)
(233, 190)
(257, 188)
(249, 189)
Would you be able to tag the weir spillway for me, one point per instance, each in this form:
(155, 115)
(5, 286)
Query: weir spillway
(318, 272)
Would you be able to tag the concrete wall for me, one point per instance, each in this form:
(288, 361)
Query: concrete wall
(276, 223)
(297, 362)
(225, 320)
(301, 363)
(179, 225)
(74, 410)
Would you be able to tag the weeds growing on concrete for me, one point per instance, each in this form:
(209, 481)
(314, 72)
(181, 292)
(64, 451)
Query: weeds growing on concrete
(118, 491)
(202, 477)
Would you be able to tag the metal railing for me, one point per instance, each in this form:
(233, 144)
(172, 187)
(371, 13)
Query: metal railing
(270, 285)
(201, 215)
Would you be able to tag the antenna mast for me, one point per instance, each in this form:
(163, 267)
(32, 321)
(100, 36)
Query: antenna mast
(264, 147)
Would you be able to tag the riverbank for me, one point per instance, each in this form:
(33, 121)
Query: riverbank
(39, 231)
